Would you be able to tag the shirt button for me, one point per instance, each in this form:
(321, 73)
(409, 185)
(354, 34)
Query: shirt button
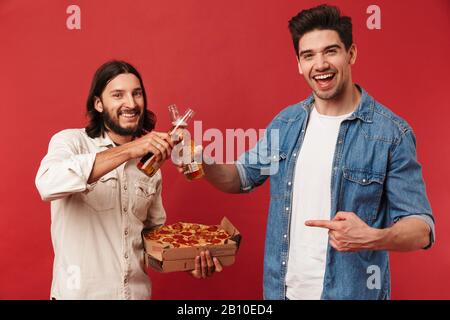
(285, 236)
(125, 280)
(303, 130)
(340, 141)
(364, 180)
(126, 256)
(287, 208)
(284, 263)
(126, 232)
(125, 209)
(125, 187)
(294, 154)
(289, 183)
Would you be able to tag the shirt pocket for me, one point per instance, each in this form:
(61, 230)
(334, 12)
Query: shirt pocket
(276, 161)
(361, 192)
(144, 194)
(277, 182)
(103, 197)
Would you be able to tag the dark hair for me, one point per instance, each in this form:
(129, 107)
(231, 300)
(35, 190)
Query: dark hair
(323, 17)
(102, 77)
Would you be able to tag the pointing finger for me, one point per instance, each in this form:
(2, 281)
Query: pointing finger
(320, 224)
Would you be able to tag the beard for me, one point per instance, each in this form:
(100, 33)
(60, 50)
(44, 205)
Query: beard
(114, 126)
(330, 95)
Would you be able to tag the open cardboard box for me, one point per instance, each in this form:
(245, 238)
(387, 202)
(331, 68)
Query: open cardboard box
(162, 258)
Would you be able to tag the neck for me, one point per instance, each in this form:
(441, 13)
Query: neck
(345, 103)
(118, 139)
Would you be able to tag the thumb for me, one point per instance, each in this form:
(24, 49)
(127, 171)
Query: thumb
(341, 215)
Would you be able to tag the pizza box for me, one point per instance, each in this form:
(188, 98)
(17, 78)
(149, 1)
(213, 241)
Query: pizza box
(162, 258)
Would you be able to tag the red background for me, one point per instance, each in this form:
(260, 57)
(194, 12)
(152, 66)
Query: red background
(233, 62)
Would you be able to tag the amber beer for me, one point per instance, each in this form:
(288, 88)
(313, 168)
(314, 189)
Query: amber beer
(148, 163)
(193, 170)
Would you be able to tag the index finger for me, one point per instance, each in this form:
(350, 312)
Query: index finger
(321, 224)
(165, 136)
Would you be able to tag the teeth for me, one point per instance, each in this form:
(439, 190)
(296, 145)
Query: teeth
(128, 115)
(323, 76)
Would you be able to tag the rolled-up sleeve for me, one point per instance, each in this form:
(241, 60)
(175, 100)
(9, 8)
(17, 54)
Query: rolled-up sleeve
(64, 170)
(256, 165)
(405, 186)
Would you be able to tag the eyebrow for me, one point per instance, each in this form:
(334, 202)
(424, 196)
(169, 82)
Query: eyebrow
(333, 46)
(121, 90)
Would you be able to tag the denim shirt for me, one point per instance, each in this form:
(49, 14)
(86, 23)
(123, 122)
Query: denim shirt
(375, 174)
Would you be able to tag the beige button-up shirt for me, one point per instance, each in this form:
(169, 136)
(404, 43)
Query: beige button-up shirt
(96, 228)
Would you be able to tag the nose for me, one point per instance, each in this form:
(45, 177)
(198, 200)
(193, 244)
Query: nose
(131, 102)
(321, 63)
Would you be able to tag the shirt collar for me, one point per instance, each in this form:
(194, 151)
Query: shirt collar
(104, 141)
(364, 111)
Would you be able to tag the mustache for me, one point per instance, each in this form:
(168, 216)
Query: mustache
(135, 110)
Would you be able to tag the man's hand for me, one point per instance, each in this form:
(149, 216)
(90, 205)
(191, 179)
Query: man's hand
(158, 143)
(194, 152)
(347, 232)
(205, 266)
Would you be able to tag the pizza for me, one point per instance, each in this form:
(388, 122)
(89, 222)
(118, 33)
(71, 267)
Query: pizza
(184, 234)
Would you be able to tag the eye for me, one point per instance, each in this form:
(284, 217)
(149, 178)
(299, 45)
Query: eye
(307, 56)
(138, 94)
(331, 52)
(117, 95)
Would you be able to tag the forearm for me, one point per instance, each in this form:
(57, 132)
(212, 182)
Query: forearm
(405, 235)
(107, 161)
(224, 177)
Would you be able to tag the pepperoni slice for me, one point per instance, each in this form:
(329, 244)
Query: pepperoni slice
(176, 245)
(186, 233)
(152, 236)
(212, 229)
(222, 236)
(164, 232)
(177, 236)
(216, 241)
(177, 226)
(195, 227)
(168, 240)
(205, 234)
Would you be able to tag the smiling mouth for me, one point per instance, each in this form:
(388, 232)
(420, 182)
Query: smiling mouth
(129, 114)
(324, 79)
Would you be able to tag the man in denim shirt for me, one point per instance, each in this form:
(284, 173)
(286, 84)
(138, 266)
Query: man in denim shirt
(346, 186)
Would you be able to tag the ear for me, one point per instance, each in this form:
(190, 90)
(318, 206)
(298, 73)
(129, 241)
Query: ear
(299, 67)
(98, 105)
(353, 53)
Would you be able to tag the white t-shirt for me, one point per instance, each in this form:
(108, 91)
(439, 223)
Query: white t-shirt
(311, 201)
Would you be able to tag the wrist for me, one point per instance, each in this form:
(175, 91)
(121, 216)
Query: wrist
(125, 151)
(379, 238)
